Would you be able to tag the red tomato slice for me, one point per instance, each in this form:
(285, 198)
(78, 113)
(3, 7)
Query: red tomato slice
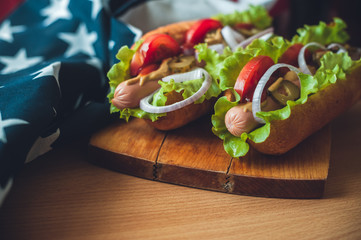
(250, 75)
(198, 31)
(290, 56)
(153, 50)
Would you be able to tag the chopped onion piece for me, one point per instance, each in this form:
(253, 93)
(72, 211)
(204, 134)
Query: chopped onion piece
(301, 57)
(256, 101)
(219, 48)
(232, 37)
(180, 77)
(246, 42)
(340, 47)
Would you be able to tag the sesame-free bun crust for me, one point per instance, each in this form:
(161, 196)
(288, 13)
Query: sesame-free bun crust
(305, 119)
(176, 30)
(181, 117)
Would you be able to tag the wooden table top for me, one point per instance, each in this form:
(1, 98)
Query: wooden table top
(63, 196)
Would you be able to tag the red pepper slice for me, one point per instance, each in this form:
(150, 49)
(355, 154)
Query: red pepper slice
(153, 50)
(249, 76)
(198, 31)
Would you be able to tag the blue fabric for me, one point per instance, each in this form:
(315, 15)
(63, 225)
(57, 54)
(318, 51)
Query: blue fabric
(54, 55)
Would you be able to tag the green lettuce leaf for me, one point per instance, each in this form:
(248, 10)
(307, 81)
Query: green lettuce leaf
(231, 67)
(323, 33)
(274, 47)
(233, 64)
(333, 67)
(257, 15)
(213, 60)
(119, 72)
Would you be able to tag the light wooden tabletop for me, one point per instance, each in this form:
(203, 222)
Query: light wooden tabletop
(63, 196)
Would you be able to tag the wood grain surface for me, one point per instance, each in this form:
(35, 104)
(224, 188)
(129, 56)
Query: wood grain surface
(193, 156)
(63, 196)
(133, 149)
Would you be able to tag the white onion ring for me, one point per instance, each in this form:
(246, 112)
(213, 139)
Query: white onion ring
(256, 100)
(246, 42)
(266, 36)
(341, 48)
(181, 77)
(232, 37)
(301, 57)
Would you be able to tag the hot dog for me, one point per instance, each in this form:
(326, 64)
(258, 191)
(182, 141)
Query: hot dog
(272, 117)
(240, 119)
(195, 48)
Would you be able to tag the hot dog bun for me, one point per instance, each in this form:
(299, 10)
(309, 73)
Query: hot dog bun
(176, 30)
(306, 119)
(181, 116)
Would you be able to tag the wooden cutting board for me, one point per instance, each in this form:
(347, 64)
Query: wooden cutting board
(192, 156)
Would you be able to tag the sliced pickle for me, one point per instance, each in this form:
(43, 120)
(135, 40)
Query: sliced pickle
(283, 90)
(182, 64)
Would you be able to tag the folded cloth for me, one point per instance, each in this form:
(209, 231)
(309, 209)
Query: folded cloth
(54, 55)
(53, 61)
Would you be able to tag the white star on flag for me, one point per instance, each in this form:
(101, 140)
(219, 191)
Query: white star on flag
(18, 62)
(138, 33)
(80, 42)
(41, 146)
(97, 6)
(96, 62)
(6, 31)
(58, 9)
(8, 123)
(78, 101)
(51, 70)
(5, 190)
(111, 44)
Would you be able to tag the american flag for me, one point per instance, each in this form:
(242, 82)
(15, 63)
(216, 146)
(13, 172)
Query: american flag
(54, 56)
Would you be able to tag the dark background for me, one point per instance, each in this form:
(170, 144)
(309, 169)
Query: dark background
(288, 14)
(292, 14)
